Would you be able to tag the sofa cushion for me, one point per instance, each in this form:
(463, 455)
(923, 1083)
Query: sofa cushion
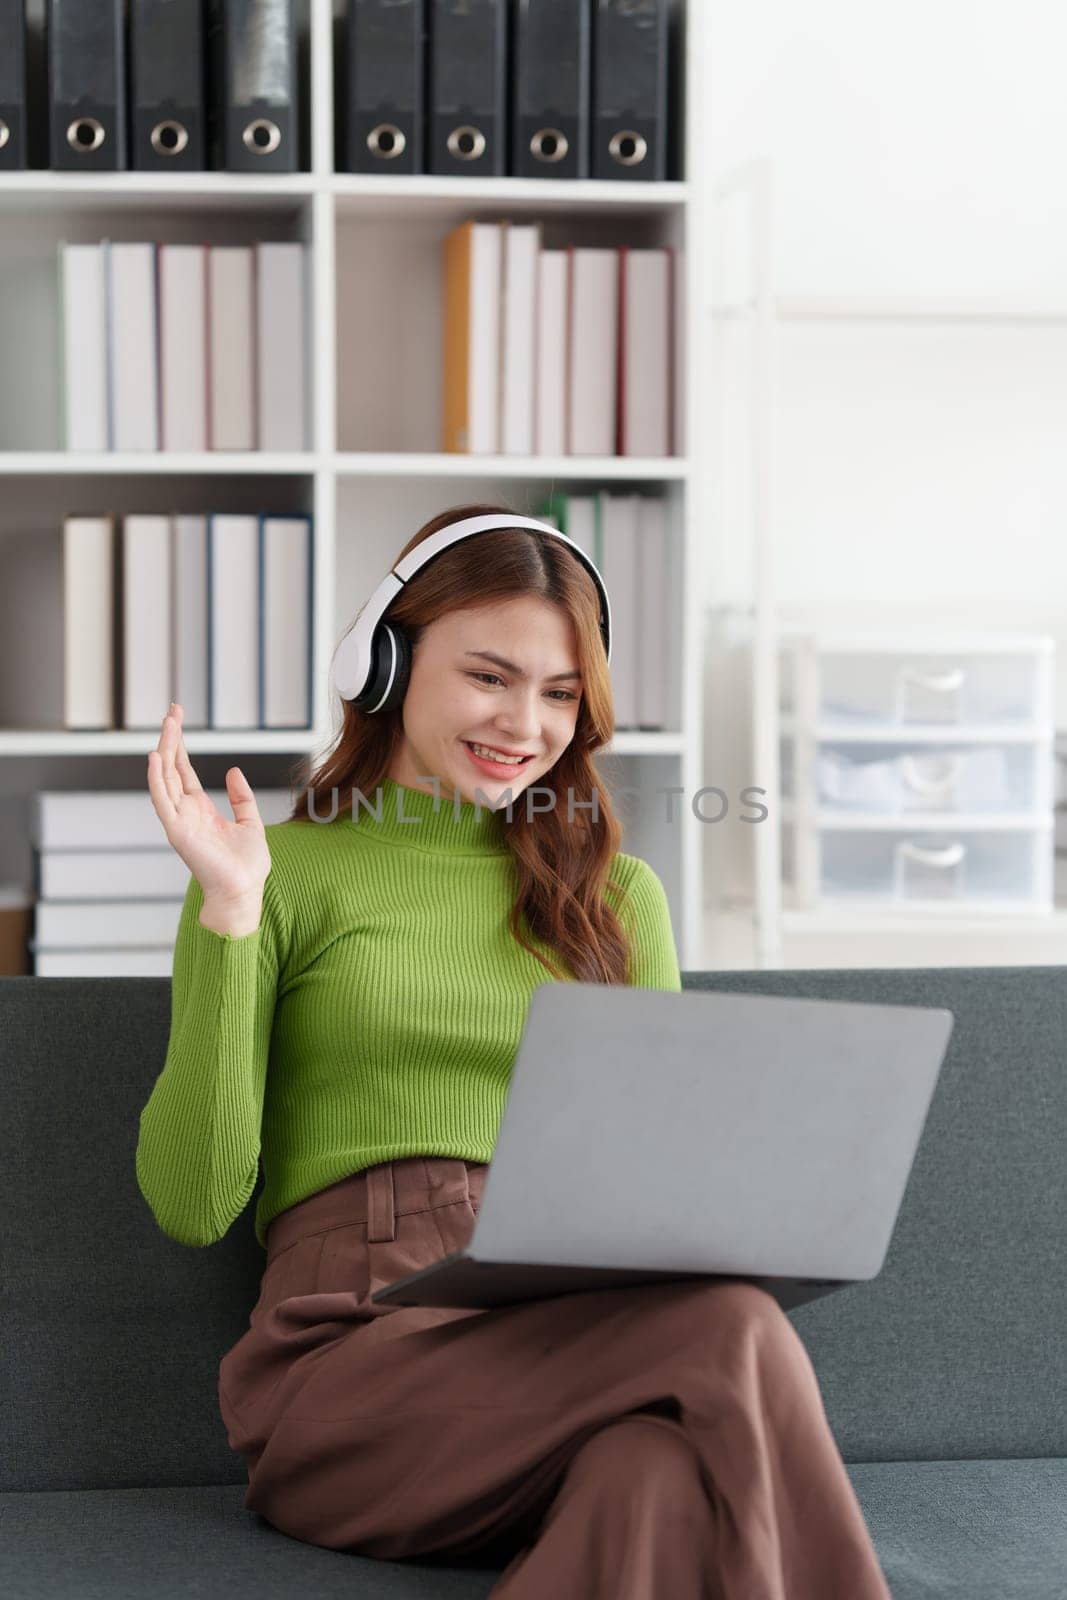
(967, 1530)
(943, 1530)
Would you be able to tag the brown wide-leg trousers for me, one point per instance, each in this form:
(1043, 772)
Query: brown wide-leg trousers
(667, 1440)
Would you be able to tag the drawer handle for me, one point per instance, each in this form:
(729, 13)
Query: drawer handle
(949, 855)
(914, 779)
(944, 681)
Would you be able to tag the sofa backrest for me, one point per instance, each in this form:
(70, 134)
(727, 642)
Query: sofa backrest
(956, 1349)
(113, 1332)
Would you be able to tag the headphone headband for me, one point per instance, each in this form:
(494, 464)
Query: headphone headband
(356, 669)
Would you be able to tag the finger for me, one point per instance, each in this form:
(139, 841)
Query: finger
(185, 768)
(170, 774)
(242, 799)
(158, 789)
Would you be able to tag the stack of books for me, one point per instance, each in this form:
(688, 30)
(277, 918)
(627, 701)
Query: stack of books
(576, 351)
(636, 550)
(184, 346)
(213, 611)
(109, 886)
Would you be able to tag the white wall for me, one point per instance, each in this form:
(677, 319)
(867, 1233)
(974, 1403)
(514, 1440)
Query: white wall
(919, 145)
(920, 470)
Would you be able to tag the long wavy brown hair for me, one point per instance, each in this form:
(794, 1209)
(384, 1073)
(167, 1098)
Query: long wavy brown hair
(562, 867)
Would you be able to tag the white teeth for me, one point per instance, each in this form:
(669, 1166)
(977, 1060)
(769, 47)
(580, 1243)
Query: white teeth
(490, 755)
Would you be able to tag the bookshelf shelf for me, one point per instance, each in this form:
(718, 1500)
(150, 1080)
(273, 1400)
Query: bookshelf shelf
(374, 474)
(61, 742)
(364, 196)
(116, 463)
(354, 193)
(69, 192)
(431, 464)
(132, 741)
(350, 464)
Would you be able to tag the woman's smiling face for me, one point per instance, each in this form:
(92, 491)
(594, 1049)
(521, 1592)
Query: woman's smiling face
(457, 696)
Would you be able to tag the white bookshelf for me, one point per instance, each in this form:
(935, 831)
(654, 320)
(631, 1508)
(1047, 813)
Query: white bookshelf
(744, 255)
(373, 474)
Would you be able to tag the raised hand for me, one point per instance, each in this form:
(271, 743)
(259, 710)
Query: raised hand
(229, 858)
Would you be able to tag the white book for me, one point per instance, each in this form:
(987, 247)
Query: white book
(471, 329)
(83, 285)
(484, 340)
(147, 685)
(88, 622)
(134, 368)
(189, 620)
(285, 629)
(71, 924)
(645, 352)
(653, 623)
(155, 961)
(233, 621)
(281, 339)
(183, 346)
(94, 819)
(678, 364)
(618, 567)
(520, 245)
(592, 353)
(118, 874)
(581, 522)
(550, 384)
(231, 346)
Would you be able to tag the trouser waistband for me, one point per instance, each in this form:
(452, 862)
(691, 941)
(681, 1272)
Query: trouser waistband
(377, 1196)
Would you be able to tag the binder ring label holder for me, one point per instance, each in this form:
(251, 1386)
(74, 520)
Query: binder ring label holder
(549, 144)
(628, 148)
(387, 140)
(466, 142)
(261, 136)
(85, 134)
(169, 138)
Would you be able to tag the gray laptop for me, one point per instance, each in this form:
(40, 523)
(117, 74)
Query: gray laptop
(652, 1136)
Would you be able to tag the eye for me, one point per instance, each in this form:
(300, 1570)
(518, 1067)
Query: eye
(564, 692)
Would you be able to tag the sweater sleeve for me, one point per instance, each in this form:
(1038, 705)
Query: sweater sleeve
(645, 915)
(199, 1142)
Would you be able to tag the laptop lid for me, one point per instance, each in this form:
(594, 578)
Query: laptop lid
(658, 1133)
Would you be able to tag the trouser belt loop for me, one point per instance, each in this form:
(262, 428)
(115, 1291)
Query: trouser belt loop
(381, 1203)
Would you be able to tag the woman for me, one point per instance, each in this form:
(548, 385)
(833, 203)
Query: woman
(378, 950)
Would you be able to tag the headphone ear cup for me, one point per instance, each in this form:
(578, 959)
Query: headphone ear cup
(390, 659)
(403, 667)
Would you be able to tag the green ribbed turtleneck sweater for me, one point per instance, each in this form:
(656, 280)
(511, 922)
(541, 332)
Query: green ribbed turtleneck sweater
(374, 1013)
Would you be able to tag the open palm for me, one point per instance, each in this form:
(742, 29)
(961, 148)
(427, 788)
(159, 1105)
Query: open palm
(229, 858)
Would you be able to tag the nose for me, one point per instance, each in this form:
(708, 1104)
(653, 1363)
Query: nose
(519, 721)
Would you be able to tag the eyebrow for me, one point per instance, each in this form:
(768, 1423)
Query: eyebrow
(509, 666)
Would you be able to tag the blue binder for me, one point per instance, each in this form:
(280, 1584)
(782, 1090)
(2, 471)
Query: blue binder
(13, 122)
(630, 42)
(467, 80)
(86, 85)
(167, 86)
(253, 105)
(385, 101)
(550, 90)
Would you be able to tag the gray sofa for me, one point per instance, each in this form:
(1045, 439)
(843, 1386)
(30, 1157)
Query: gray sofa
(944, 1379)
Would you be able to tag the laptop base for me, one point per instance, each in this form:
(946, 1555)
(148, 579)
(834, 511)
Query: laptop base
(461, 1280)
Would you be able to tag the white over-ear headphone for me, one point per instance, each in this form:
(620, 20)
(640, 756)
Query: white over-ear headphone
(372, 662)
